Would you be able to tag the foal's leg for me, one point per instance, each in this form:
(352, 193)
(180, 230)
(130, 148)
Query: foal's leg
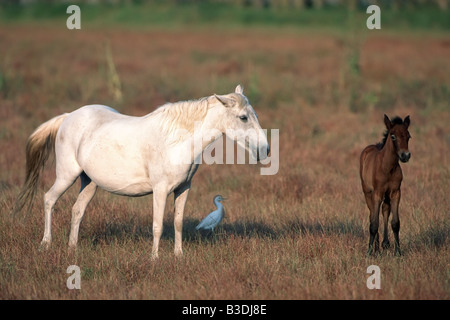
(181, 196)
(395, 223)
(159, 204)
(369, 202)
(87, 192)
(368, 196)
(374, 222)
(386, 209)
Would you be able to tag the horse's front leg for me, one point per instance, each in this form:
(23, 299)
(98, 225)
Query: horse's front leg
(374, 222)
(180, 196)
(395, 223)
(159, 204)
(386, 209)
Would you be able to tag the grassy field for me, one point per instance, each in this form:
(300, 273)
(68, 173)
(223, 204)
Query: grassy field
(300, 234)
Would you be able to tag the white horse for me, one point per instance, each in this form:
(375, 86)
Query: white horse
(135, 156)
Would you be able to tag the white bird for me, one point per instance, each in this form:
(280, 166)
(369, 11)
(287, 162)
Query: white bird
(213, 219)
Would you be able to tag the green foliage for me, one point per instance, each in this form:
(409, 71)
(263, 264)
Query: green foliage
(223, 14)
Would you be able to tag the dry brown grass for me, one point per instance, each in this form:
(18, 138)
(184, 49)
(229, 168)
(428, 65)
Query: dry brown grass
(300, 234)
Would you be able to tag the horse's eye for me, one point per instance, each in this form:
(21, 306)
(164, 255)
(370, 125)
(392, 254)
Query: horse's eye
(393, 137)
(243, 118)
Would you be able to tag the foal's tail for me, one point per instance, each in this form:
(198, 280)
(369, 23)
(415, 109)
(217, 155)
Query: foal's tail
(39, 146)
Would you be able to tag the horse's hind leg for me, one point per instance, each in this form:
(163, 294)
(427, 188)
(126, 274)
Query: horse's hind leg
(60, 186)
(86, 194)
(386, 209)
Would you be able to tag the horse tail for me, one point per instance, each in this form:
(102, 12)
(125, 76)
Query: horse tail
(39, 146)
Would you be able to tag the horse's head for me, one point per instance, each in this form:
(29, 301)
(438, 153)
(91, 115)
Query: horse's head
(397, 131)
(241, 123)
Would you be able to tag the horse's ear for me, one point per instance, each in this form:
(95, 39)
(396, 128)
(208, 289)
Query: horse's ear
(387, 122)
(227, 102)
(239, 89)
(407, 121)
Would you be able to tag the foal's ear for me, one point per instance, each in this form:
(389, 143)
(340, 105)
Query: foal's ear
(239, 89)
(227, 102)
(387, 122)
(407, 122)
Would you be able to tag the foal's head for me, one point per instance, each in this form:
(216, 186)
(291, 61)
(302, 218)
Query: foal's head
(397, 131)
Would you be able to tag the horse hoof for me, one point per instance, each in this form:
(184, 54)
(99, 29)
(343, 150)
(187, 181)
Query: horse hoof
(44, 246)
(154, 257)
(179, 254)
(385, 244)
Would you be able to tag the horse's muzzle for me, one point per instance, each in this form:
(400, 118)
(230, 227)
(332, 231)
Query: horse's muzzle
(404, 156)
(262, 156)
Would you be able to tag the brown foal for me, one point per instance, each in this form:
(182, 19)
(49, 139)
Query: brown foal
(381, 177)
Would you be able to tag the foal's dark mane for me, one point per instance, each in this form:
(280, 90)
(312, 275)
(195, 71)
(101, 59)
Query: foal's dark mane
(396, 120)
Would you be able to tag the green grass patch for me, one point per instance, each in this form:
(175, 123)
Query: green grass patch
(163, 14)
